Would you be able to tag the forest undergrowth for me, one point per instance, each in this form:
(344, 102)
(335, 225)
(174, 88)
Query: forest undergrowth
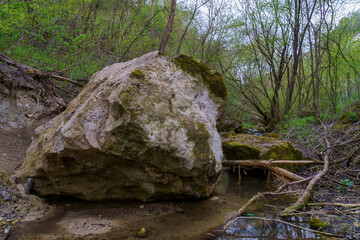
(334, 204)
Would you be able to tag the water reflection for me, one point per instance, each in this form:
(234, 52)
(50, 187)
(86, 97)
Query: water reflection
(258, 229)
(247, 228)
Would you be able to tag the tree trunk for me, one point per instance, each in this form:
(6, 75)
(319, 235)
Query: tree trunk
(152, 26)
(168, 27)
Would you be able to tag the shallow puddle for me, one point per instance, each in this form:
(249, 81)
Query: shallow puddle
(163, 220)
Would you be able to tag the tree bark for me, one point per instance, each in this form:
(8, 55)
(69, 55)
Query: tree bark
(168, 27)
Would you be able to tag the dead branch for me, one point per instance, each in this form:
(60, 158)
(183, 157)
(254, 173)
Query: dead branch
(36, 72)
(283, 174)
(249, 203)
(347, 205)
(300, 203)
(273, 162)
(348, 156)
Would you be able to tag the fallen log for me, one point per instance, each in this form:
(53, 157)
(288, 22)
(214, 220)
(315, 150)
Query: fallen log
(283, 174)
(272, 162)
(36, 72)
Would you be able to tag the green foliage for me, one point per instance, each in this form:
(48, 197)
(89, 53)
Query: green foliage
(302, 129)
(352, 117)
(77, 38)
(346, 183)
(249, 125)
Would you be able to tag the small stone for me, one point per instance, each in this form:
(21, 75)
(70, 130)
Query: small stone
(142, 207)
(100, 216)
(214, 198)
(142, 233)
(179, 210)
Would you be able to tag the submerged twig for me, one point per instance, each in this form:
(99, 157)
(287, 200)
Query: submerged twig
(287, 223)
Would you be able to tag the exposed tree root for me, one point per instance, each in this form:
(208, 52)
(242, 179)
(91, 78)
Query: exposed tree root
(47, 76)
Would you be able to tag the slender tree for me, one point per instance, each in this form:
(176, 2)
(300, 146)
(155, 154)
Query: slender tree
(168, 27)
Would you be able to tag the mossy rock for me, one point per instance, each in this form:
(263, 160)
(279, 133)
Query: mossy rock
(272, 135)
(235, 150)
(317, 224)
(246, 147)
(196, 68)
(134, 132)
(229, 125)
(352, 114)
(348, 118)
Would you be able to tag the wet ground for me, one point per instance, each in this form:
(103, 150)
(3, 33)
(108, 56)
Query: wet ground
(162, 220)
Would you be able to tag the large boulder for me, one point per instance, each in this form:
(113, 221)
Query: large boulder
(249, 147)
(144, 129)
(24, 99)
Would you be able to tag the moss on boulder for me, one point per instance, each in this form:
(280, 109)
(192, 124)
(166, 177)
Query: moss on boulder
(196, 68)
(247, 147)
(137, 74)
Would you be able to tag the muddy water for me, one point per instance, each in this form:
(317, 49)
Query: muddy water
(163, 220)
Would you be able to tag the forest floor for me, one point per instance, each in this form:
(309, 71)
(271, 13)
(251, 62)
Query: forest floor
(334, 206)
(69, 219)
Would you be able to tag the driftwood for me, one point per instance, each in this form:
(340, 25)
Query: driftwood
(283, 174)
(35, 72)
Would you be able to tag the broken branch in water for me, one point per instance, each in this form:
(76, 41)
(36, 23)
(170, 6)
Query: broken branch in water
(285, 222)
(249, 203)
